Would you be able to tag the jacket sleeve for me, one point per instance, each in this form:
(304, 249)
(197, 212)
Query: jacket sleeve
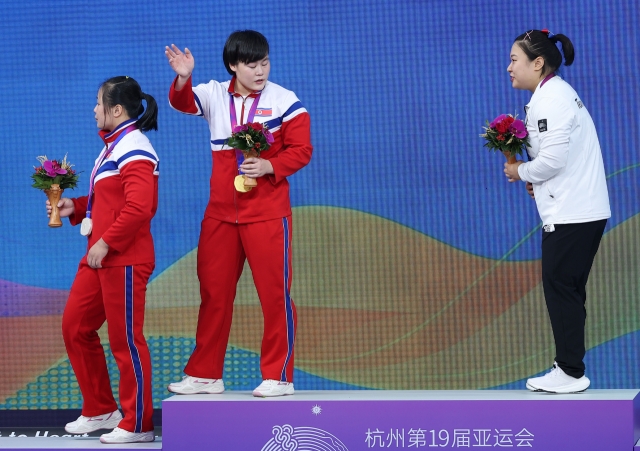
(297, 148)
(554, 143)
(79, 210)
(191, 100)
(183, 100)
(138, 183)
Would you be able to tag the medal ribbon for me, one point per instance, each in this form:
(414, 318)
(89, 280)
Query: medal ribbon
(547, 78)
(101, 159)
(234, 122)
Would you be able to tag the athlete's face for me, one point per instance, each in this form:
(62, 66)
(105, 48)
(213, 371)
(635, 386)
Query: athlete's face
(252, 76)
(104, 119)
(525, 74)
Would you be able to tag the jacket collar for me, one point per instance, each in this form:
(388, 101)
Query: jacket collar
(232, 89)
(536, 94)
(110, 136)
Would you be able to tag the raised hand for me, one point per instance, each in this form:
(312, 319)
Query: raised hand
(181, 63)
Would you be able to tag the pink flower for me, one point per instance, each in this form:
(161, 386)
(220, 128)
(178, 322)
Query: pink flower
(268, 136)
(53, 168)
(240, 128)
(497, 120)
(518, 129)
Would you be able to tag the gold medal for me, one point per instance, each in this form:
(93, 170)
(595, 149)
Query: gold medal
(238, 182)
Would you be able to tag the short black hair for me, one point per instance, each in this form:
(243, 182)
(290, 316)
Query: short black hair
(246, 46)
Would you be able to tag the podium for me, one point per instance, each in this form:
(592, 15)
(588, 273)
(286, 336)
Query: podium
(597, 420)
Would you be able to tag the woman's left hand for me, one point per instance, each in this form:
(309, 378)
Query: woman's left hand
(511, 171)
(97, 252)
(256, 167)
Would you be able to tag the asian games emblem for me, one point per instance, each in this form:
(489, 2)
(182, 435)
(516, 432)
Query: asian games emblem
(288, 438)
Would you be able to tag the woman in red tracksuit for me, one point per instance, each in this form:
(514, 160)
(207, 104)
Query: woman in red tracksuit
(112, 277)
(254, 225)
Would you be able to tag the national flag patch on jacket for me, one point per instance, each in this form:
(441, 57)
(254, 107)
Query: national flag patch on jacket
(264, 112)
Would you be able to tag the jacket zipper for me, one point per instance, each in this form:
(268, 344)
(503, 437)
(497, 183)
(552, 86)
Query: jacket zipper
(235, 199)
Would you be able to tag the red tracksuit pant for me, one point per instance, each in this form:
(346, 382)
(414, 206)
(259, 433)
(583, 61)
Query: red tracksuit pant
(222, 250)
(116, 295)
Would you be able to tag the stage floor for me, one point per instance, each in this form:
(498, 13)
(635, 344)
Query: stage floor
(412, 395)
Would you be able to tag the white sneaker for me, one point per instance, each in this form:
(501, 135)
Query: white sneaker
(89, 424)
(557, 381)
(121, 436)
(190, 385)
(270, 387)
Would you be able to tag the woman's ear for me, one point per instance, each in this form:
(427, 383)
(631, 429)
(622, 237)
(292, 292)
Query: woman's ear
(538, 63)
(117, 111)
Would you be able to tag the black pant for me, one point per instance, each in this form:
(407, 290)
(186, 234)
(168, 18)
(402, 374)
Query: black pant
(567, 256)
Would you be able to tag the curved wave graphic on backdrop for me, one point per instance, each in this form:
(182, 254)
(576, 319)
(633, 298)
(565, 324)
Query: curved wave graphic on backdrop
(289, 438)
(384, 307)
(419, 314)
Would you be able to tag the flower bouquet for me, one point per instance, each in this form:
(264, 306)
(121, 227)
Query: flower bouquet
(250, 139)
(53, 178)
(508, 135)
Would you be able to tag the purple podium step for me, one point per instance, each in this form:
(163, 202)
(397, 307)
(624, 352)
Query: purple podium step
(596, 420)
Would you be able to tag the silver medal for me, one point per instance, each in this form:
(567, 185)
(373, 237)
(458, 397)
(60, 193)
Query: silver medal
(86, 226)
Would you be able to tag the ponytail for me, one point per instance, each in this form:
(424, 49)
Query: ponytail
(149, 119)
(567, 47)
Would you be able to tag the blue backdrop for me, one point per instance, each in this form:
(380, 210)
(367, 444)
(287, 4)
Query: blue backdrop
(397, 92)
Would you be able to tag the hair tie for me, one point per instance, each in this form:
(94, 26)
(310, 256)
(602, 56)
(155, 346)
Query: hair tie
(559, 47)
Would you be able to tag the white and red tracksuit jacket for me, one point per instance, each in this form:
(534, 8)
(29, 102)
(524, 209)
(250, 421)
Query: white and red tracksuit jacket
(287, 119)
(125, 199)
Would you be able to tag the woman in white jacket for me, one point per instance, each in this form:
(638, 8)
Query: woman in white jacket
(567, 179)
